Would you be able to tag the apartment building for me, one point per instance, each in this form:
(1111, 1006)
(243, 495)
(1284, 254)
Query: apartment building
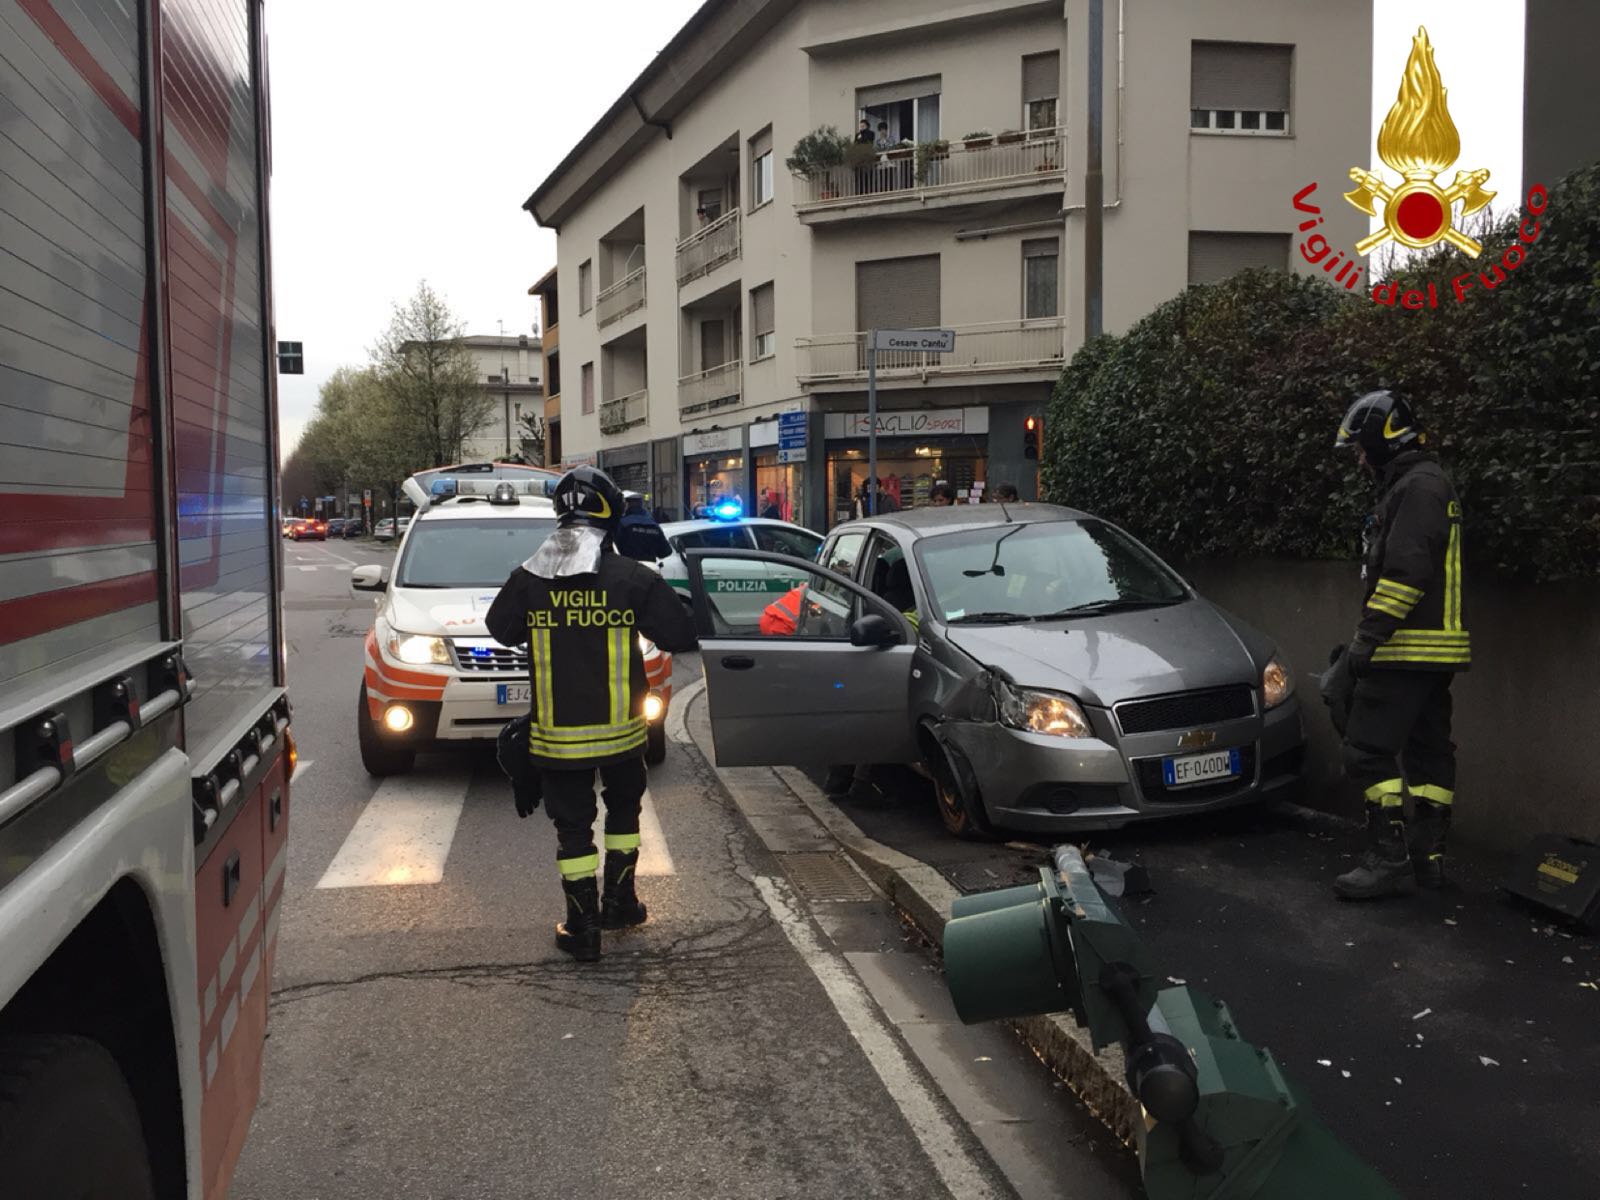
(509, 371)
(550, 349)
(709, 289)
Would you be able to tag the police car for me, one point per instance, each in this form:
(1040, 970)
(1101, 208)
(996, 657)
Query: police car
(727, 528)
(432, 675)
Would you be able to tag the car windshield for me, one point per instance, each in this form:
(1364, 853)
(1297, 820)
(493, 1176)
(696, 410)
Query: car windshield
(1040, 571)
(477, 552)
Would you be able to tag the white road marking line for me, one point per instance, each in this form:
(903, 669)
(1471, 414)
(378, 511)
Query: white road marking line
(300, 568)
(336, 557)
(301, 768)
(960, 1172)
(403, 836)
(654, 857)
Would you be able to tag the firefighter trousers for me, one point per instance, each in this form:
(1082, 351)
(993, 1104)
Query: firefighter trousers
(570, 800)
(1397, 739)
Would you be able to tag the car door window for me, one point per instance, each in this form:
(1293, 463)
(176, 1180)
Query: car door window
(716, 537)
(889, 576)
(749, 599)
(845, 552)
(781, 539)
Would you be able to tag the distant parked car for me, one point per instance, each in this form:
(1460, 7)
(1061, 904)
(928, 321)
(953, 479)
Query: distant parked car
(384, 529)
(336, 527)
(353, 527)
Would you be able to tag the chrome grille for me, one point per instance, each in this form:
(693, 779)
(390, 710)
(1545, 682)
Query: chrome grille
(491, 659)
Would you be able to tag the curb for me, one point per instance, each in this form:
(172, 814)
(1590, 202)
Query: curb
(926, 896)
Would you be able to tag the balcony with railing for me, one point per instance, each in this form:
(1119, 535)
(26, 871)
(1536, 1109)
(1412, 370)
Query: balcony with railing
(625, 411)
(1007, 166)
(703, 251)
(996, 348)
(624, 296)
(711, 390)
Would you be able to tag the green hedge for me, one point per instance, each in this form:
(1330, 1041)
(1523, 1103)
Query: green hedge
(1208, 427)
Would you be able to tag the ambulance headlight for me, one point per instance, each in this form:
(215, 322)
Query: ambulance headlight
(653, 707)
(418, 650)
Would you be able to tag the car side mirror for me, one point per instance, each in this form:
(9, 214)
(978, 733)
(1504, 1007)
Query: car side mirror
(873, 629)
(369, 578)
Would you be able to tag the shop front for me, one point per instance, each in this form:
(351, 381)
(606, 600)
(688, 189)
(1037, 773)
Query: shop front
(916, 450)
(628, 466)
(780, 473)
(713, 468)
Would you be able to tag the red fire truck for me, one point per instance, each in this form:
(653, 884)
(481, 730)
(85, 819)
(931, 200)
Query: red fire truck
(145, 751)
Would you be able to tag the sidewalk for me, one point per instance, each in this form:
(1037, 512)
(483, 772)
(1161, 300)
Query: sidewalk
(1449, 1039)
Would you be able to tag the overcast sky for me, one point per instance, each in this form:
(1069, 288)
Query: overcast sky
(407, 134)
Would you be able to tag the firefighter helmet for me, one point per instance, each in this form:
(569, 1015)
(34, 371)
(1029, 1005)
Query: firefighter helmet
(1382, 424)
(586, 496)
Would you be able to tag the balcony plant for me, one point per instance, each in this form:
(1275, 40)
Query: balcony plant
(818, 152)
(930, 152)
(904, 150)
(1007, 136)
(977, 139)
(859, 155)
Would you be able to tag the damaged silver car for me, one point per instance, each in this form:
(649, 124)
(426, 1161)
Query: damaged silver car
(1045, 669)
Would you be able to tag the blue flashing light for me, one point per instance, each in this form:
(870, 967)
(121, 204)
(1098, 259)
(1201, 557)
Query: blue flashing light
(727, 510)
(442, 489)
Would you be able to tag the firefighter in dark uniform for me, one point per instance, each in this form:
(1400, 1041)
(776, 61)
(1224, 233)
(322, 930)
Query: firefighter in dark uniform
(1392, 684)
(580, 606)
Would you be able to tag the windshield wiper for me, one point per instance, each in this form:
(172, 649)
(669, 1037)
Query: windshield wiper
(1098, 607)
(989, 618)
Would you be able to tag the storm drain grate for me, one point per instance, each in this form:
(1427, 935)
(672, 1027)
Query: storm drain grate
(823, 876)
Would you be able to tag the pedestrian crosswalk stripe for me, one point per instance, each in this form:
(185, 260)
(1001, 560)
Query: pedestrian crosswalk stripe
(305, 568)
(654, 857)
(402, 837)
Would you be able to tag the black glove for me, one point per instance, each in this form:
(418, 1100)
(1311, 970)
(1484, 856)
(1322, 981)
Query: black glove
(511, 750)
(1338, 686)
(1359, 655)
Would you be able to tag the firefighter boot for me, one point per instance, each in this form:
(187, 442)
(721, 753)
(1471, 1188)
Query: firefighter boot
(579, 934)
(1430, 824)
(620, 907)
(1385, 869)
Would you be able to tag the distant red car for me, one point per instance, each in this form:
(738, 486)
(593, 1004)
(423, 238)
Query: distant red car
(308, 528)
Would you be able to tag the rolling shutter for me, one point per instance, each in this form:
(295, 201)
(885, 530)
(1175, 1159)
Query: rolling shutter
(898, 293)
(1239, 75)
(762, 309)
(1214, 257)
(894, 93)
(761, 143)
(1041, 76)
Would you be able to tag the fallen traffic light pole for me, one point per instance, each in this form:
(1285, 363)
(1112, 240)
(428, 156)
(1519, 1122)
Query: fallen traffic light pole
(1220, 1119)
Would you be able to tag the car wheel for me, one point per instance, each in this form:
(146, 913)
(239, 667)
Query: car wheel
(380, 758)
(54, 1088)
(655, 746)
(960, 808)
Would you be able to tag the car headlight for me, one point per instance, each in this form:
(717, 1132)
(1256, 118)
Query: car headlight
(1277, 683)
(418, 649)
(646, 646)
(1041, 712)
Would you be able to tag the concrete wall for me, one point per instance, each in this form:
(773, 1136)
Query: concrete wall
(1525, 715)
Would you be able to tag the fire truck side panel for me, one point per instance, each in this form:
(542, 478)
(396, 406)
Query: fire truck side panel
(78, 557)
(220, 375)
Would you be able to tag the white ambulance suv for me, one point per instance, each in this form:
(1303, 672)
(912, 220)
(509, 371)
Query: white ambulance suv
(433, 676)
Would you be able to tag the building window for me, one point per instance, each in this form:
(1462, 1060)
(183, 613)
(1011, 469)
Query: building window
(708, 205)
(588, 387)
(1214, 257)
(1239, 87)
(764, 339)
(907, 111)
(585, 286)
(898, 293)
(1041, 288)
(1041, 86)
(761, 168)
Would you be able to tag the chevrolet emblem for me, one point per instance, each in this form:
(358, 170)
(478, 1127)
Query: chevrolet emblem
(1197, 739)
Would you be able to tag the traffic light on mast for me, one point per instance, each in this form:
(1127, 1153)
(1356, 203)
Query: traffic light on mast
(1033, 437)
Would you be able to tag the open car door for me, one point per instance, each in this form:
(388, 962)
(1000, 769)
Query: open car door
(803, 667)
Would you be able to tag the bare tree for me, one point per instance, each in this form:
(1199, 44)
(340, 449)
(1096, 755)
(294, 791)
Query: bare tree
(430, 379)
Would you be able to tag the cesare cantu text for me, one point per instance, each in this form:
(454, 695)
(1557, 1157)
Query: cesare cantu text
(580, 608)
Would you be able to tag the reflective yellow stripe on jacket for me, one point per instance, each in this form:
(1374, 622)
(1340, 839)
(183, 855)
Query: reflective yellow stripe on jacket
(576, 742)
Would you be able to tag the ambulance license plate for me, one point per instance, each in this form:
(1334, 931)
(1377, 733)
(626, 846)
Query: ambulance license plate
(1201, 768)
(513, 693)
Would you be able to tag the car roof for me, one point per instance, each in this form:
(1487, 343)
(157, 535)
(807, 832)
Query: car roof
(671, 527)
(956, 518)
(530, 508)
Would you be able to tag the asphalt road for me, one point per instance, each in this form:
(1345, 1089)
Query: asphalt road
(1446, 1038)
(756, 1039)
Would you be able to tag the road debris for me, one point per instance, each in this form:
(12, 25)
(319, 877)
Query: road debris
(1487, 1061)
(1324, 1062)
(1346, 1074)
(1420, 1015)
